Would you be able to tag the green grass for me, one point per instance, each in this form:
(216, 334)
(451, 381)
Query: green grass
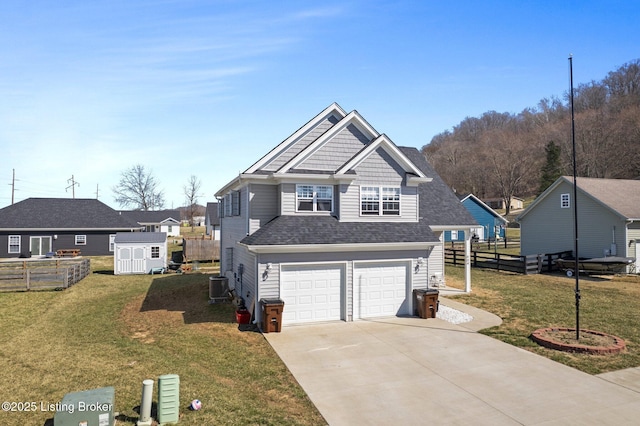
(528, 302)
(119, 330)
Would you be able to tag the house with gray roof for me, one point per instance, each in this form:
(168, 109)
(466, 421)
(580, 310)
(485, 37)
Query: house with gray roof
(338, 222)
(167, 221)
(608, 218)
(212, 221)
(37, 226)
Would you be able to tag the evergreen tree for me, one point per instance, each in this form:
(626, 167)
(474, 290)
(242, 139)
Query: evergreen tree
(552, 169)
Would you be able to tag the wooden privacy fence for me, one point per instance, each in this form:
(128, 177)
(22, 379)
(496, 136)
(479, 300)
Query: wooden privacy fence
(201, 249)
(42, 274)
(531, 264)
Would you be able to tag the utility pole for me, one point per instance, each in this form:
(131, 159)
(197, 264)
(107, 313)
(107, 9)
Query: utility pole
(72, 186)
(576, 270)
(97, 192)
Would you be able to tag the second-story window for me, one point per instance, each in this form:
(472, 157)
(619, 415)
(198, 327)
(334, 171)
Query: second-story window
(314, 198)
(377, 200)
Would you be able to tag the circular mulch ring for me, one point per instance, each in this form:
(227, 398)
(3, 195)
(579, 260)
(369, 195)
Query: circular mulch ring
(591, 342)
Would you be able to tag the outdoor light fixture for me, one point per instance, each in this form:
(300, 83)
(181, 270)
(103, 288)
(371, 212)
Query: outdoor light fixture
(419, 263)
(265, 274)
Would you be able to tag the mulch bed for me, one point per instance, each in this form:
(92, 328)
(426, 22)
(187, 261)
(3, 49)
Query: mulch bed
(590, 342)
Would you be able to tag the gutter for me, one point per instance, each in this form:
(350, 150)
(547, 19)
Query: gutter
(317, 248)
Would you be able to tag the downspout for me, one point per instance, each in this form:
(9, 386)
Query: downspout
(256, 309)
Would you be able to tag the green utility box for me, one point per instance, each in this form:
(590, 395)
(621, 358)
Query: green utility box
(87, 408)
(168, 399)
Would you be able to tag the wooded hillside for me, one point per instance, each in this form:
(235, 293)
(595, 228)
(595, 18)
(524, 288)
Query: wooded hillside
(505, 155)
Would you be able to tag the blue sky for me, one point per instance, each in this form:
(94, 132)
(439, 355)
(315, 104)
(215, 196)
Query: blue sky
(205, 88)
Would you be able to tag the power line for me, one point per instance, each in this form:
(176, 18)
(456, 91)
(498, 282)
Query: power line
(72, 186)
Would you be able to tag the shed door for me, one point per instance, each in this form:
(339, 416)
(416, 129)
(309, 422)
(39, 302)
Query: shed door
(131, 260)
(311, 293)
(381, 289)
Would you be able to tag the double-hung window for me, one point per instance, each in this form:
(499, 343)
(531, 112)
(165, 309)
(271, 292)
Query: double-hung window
(314, 198)
(14, 243)
(155, 252)
(565, 202)
(81, 240)
(379, 200)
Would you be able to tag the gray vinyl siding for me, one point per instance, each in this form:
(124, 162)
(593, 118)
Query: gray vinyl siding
(245, 284)
(340, 149)
(263, 205)
(548, 228)
(633, 237)
(301, 144)
(435, 261)
(270, 286)
(288, 198)
(232, 230)
(378, 170)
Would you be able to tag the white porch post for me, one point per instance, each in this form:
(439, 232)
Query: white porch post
(467, 261)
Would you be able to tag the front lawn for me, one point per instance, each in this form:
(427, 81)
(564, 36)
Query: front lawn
(527, 302)
(119, 330)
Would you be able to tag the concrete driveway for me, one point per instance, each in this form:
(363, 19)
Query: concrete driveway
(414, 371)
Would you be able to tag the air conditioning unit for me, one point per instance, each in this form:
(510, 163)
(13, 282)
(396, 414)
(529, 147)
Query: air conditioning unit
(218, 289)
(91, 407)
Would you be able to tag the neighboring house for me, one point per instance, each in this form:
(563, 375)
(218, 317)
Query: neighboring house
(338, 222)
(167, 221)
(37, 226)
(212, 221)
(498, 203)
(490, 222)
(608, 218)
(140, 253)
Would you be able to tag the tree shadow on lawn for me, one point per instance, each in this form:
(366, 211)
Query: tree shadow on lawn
(188, 294)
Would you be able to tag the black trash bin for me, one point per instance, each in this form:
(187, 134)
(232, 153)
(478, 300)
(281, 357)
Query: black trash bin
(425, 302)
(272, 315)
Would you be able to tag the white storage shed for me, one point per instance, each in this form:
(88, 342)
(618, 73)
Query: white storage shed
(140, 253)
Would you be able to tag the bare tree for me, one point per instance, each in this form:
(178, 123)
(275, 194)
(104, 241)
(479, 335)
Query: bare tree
(191, 190)
(138, 189)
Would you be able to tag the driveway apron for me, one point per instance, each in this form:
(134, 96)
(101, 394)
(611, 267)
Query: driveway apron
(414, 371)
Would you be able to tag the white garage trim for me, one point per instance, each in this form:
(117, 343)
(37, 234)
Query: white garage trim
(312, 292)
(382, 288)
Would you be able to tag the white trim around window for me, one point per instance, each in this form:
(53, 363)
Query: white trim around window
(314, 198)
(565, 201)
(14, 244)
(81, 240)
(379, 200)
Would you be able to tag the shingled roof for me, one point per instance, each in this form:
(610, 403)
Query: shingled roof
(144, 217)
(297, 230)
(620, 195)
(438, 207)
(63, 213)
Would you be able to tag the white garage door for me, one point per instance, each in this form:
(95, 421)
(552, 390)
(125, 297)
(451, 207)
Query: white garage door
(380, 289)
(311, 293)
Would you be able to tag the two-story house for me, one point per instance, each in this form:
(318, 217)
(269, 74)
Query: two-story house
(338, 222)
